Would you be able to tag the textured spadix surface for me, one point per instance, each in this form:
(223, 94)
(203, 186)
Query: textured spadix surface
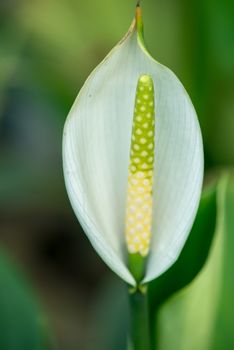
(96, 148)
(140, 178)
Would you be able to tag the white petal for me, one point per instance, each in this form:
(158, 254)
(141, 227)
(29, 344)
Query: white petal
(96, 149)
(178, 175)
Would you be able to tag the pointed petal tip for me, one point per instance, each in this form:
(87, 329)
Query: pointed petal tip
(138, 4)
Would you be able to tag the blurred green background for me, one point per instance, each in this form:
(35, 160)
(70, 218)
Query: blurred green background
(47, 50)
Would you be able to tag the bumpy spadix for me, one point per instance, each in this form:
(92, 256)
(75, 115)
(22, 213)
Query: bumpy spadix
(96, 145)
(140, 178)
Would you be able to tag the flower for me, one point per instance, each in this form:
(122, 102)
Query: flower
(96, 147)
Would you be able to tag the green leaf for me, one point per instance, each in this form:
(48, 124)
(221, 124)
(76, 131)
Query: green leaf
(193, 255)
(20, 317)
(201, 316)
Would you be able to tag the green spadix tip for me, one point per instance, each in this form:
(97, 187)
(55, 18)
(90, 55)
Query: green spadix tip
(146, 80)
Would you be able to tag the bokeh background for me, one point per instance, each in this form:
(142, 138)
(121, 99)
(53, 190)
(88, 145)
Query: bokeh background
(47, 50)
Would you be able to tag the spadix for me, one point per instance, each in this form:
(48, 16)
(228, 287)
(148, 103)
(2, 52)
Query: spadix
(140, 178)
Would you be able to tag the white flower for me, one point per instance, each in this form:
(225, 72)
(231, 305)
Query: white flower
(96, 148)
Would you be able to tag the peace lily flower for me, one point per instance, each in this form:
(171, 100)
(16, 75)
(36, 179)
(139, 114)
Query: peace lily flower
(133, 160)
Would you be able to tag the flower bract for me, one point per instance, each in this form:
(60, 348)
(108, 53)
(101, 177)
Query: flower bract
(97, 147)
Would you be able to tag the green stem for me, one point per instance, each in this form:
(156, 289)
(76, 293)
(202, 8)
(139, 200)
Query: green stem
(139, 320)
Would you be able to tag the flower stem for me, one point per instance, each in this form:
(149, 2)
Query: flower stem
(139, 319)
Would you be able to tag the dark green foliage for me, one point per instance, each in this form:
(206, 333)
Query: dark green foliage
(21, 322)
(193, 255)
(201, 316)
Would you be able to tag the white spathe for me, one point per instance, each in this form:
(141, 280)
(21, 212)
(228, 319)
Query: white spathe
(96, 146)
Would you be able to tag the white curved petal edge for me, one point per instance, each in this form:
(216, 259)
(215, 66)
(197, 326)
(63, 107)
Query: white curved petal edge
(96, 146)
